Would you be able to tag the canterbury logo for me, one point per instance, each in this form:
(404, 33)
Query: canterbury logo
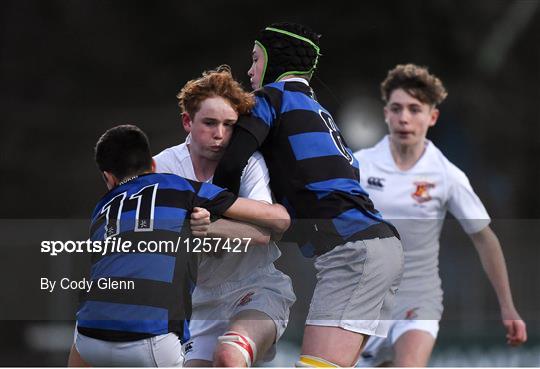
(375, 182)
(188, 347)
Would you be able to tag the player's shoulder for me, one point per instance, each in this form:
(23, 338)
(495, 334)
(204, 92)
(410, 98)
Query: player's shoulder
(373, 153)
(438, 160)
(365, 153)
(280, 86)
(169, 181)
(267, 103)
(172, 157)
(179, 151)
(269, 94)
(256, 159)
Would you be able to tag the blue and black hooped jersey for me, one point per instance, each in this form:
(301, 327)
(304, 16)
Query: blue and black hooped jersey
(313, 173)
(152, 207)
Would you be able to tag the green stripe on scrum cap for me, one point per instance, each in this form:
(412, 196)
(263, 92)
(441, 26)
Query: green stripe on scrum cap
(294, 35)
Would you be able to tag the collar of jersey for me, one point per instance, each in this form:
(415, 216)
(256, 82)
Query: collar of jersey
(295, 79)
(388, 161)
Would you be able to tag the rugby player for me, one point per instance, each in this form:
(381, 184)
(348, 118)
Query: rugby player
(146, 325)
(241, 302)
(315, 176)
(411, 181)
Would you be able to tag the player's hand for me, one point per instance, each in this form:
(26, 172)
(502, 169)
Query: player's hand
(516, 329)
(199, 222)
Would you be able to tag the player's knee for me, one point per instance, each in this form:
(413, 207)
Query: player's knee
(235, 350)
(409, 360)
(226, 356)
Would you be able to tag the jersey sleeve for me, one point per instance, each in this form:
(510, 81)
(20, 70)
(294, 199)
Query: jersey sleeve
(261, 119)
(464, 204)
(213, 198)
(249, 134)
(363, 165)
(255, 180)
(229, 170)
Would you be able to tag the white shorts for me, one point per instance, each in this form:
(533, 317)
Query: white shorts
(379, 350)
(160, 351)
(268, 290)
(356, 284)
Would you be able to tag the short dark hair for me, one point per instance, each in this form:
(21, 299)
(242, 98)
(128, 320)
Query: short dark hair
(416, 81)
(123, 151)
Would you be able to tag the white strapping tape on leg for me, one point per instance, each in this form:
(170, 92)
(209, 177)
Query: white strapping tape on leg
(244, 344)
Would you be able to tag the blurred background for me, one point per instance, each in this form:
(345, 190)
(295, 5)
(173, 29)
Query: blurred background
(69, 70)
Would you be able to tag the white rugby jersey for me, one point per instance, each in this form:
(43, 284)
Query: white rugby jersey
(416, 201)
(230, 267)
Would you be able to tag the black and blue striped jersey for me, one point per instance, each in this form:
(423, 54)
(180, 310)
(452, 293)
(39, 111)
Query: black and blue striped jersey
(152, 207)
(313, 173)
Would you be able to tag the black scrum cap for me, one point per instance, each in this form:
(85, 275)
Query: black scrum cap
(288, 48)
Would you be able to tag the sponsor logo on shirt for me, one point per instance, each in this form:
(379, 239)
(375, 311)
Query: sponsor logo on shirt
(375, 182)
(421, 194)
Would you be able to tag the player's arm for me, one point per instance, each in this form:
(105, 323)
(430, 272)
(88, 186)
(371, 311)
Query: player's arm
(201, 226)
(224, 203)
(228, 228)
(249, 133)
(489, 249)
(272, 216)
(241, 146)
(465, 205)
